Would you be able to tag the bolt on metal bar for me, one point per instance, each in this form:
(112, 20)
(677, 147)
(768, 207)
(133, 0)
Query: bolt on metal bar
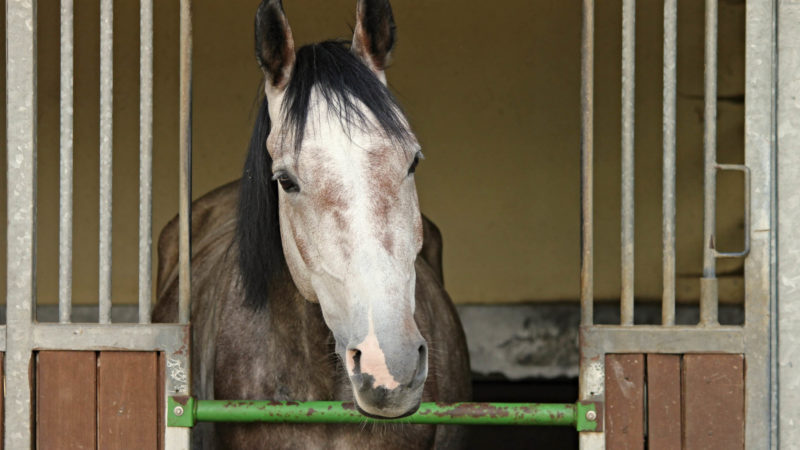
(627, 207)
(185, 249)
(668, 176)
(106, 157)
(65, 163)
(708, 284)
(145, 158)
(186, 412)
(21, 218)
(587, 163)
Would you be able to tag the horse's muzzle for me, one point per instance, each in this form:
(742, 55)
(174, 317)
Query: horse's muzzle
(379, 401)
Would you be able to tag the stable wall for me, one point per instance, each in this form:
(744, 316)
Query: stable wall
(493, 95)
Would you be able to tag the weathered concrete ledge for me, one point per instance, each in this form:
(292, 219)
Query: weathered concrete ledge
(512, 342)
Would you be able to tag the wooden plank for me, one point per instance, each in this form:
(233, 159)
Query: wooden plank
(65, 399)
(127, 403)
(161, 401)
(713, 401)
(2, 397)
(625, 401)
(663, 402)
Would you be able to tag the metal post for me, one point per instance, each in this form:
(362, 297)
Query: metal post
(708, 284)
(587, 163)
(788, 197)
(145, 158)
(21, 232)
(185, 283)
(668, 181)
(65, 175)
(628, 86)
(106, 148)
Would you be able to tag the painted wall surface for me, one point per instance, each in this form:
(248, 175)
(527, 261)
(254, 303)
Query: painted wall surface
(493, 95)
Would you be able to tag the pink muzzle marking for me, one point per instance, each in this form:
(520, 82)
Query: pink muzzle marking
(373, 361)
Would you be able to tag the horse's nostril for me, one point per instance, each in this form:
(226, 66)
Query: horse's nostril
(356, 355)
(422, 363)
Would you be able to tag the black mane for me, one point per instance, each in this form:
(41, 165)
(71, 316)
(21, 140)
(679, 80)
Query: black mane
(345, 84)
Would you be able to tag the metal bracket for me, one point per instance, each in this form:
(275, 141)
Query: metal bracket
(181, 411)
(746, 171)
(589, 416)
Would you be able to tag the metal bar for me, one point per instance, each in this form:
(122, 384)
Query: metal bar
(65, 174)
(587, 163)
(185, 248)
(145, 159)
(627, 207)
(590, 378)
(602, 339)
(708, 284)
(106, 157)
(763, 89)
(187, 411)
(128, 337)
(21, 218)
(668, 180)
(179, 379)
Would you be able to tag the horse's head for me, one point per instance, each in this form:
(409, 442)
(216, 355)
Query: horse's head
(344, 158)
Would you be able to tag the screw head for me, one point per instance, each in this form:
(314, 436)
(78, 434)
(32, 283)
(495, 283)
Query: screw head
(178, 411)
(591, 416)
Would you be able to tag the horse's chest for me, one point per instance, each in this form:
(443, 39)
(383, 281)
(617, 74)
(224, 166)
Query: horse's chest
(275, 359)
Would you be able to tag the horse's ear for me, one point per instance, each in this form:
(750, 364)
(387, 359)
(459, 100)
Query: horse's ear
(274, 44)
(374, 36)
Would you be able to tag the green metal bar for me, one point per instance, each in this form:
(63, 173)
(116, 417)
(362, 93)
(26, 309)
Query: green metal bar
(186, 411)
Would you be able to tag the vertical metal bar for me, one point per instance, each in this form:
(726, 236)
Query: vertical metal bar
(185, 249)
(21, 231)
(587, 164)
(668, 181)
(772, 198)
(65, 178)
(145, 158)
(708, 284)
(591, 385)
(106, 145)
(627, 214)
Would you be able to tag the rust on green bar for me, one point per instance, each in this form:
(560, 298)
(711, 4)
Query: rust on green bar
(464, 413)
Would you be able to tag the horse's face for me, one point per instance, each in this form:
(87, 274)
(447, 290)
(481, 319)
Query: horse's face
(349, 216)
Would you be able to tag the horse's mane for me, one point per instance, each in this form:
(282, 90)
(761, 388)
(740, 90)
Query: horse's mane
(345, 83)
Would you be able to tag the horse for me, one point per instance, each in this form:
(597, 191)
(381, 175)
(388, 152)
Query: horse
(315, 276)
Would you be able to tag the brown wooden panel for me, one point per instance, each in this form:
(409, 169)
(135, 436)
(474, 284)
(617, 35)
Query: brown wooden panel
(162, 371)
(65, 400)
(713, 402)
(625, 401)
(663, 402)
(2, 397)
(127, 404)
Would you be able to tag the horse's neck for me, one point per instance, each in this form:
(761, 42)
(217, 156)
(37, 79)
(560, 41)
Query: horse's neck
(286, 340)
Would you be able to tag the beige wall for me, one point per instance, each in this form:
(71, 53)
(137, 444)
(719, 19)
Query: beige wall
(493, 94)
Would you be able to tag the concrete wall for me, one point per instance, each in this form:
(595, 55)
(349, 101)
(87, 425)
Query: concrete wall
(493, 94)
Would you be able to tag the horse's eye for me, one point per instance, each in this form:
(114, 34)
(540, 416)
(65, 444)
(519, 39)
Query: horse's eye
(413, 167)
(287, 184)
